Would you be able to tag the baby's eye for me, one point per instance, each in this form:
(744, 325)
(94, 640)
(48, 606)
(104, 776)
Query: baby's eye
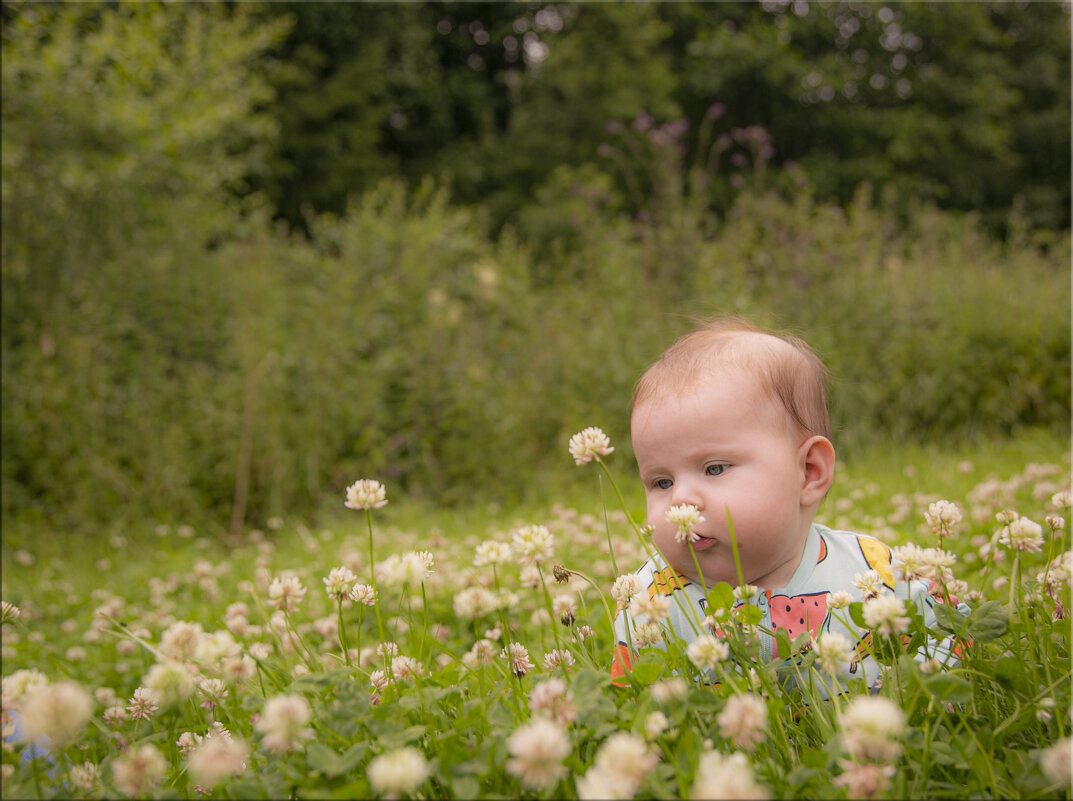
(662, 483)
(715, 469)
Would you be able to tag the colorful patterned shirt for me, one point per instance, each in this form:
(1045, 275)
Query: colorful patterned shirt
(829, 563)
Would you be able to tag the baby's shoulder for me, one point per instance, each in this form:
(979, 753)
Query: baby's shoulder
(848, 550)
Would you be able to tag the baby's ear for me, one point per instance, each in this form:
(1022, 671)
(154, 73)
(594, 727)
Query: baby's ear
(818, 460)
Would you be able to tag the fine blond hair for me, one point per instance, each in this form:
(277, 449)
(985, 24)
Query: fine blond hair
(787, 369)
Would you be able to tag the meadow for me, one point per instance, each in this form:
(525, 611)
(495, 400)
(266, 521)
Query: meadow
(404, 650)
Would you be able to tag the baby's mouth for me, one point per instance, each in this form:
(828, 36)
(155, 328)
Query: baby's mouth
(703, 543)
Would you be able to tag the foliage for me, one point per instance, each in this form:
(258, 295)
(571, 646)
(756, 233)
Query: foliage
(990, 726)
(168, 351)
(966, 105)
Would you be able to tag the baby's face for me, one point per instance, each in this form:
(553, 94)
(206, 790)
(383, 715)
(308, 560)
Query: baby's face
(725, 447)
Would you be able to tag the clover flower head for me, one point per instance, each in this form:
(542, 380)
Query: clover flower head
(537, 751)
(943, 517)
(365, 493)
(870, 728)
(8, 612)
(742, 720)
(721, 776)
(649, 608)
(552, 699)
(396, 772)
(1022, 534)
(558, 657)
(492, 552)
(833, 650)
(139, 770)
(58, 711)
(886, 614)
(517, 655)
(337, 582)
(283, 722)
(286, 593)
(217, 758)
(839, 599)
(707, 651)
(647, 634)
(533, 544)
(685, 516)
(589, 444)
(870, 583)
(625, 587)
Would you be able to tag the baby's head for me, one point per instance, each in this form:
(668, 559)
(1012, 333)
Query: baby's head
(786, 370)
(733, 418)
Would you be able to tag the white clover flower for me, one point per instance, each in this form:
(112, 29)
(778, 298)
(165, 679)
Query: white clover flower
(396, 772)
(1055, 523)
(365, 494)
(652, 609)
(533, 544)
(655, 724)
(406, 667)
(626, 757)
(1063, 499)
(720, 776)
(363, 594)
(558, 657)
(943, 517)
(870, 728)
(1056, 762)
(864, 781)
(839, 599)
(8, 612)
(517, 655)
(20, 684)
(286, 593)
(685, 516)
(337, 582)
(85, 776)
(646, 635)
(170, 682)
(625, 587)
(742, 720)
(886, 614)
(409, 568)
(139, 770)
(283, 722)
(379, 680)
(553, 700)
(870, 583)
(909, 560)
(57, 711)
(707, 651)
(537, 752)
(833, 650)
(589, 444)
(481, 653)
(474, 602)
(216, 759)
(669, 690)
(1022, 534)
(142, 704)
(180, 640)
(215, 691)
(746, 592)
(492, 552)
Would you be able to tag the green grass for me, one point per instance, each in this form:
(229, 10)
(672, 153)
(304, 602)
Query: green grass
(983, 729)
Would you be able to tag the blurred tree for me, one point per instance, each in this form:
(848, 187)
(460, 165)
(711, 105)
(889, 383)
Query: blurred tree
(916, 96)
(127, 131)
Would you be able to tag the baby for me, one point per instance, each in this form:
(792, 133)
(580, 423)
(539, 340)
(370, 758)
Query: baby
(733, 421)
